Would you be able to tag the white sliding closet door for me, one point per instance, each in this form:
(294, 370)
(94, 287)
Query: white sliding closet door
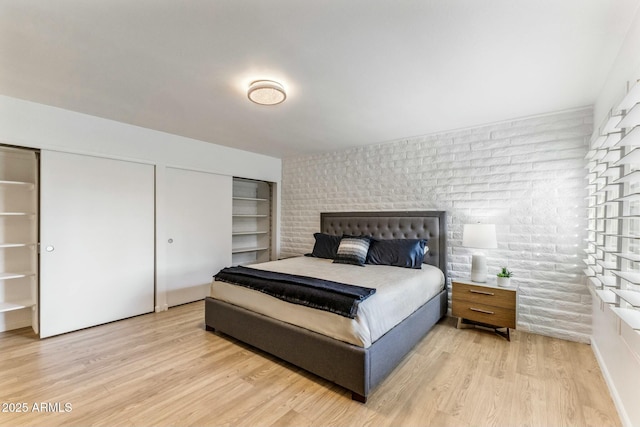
(97, 241)
(198, 213)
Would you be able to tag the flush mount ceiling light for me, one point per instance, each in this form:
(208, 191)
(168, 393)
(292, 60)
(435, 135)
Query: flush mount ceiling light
(266, 92)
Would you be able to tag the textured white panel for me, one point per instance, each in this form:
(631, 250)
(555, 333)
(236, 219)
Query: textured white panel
(525, 176)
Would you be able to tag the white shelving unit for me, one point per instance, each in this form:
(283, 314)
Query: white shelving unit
(252, 221)
(613, 244)
(18, 237)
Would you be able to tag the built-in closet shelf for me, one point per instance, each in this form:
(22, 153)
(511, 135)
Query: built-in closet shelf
(26, 185)
(18, 237)
(632, 297)
(19, 275)
(629, 316)
(24, 214)
(251, 221)
(245, 250)
(251, 199)
(16, 305)
(248, 233)
(16, 245)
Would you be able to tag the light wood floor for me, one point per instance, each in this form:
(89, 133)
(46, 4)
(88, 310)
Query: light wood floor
(164, 369)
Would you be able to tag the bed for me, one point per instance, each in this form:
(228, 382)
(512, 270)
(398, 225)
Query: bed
(357, 366)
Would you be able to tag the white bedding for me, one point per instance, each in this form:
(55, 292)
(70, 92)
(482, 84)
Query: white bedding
(399, 292)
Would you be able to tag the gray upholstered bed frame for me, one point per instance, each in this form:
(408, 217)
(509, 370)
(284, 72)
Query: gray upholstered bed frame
(357, 369)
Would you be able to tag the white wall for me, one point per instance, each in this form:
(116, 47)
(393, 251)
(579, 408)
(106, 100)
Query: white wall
(28, 124)
(526, 176)
(617, 347)
(34, 125)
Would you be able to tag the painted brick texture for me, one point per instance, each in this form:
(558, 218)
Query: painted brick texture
(526, 176)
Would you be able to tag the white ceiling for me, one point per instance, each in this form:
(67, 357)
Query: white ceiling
(356, 71)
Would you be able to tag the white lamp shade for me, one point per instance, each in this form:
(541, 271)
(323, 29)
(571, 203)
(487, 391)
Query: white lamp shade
(482, 236)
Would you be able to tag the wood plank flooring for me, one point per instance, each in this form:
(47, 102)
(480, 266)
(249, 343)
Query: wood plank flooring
(164, 369)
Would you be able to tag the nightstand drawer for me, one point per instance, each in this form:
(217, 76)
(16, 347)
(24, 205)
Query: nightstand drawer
(491, 315)
(484, 295)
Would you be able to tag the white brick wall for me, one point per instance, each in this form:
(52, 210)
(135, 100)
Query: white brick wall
(526, 176)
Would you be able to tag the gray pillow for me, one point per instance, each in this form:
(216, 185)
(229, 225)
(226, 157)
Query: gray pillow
(352, 250)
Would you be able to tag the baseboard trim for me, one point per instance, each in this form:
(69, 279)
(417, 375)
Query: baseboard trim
(622, 413)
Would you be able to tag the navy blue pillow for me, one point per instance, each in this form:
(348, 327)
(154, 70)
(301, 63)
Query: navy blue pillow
(408, 253)
(326, 246)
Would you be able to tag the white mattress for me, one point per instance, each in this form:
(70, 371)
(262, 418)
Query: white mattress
(399, 292)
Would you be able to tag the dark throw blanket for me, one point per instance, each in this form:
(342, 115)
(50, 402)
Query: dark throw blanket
(338, 298)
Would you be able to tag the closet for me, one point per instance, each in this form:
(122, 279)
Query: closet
(87, 240)
(252, 221)
(18, 238)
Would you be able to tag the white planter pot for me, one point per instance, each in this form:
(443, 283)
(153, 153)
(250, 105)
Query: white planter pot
(504, 282)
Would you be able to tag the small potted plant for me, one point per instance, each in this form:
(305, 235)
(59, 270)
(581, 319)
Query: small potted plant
(504, 277)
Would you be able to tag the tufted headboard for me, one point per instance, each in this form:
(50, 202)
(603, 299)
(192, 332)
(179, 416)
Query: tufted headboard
(430, 225)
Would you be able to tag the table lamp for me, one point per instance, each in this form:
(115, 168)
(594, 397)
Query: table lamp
(479, 236)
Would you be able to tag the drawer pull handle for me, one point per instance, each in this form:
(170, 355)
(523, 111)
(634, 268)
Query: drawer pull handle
(481, 311)
(473, 291)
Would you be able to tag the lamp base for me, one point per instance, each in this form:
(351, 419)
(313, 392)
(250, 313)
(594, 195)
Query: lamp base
(478, 268)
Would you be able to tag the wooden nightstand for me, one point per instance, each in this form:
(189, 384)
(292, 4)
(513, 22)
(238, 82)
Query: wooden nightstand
(484, 305)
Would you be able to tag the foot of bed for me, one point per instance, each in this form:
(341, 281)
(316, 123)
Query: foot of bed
(358, 397)
(209, 328)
